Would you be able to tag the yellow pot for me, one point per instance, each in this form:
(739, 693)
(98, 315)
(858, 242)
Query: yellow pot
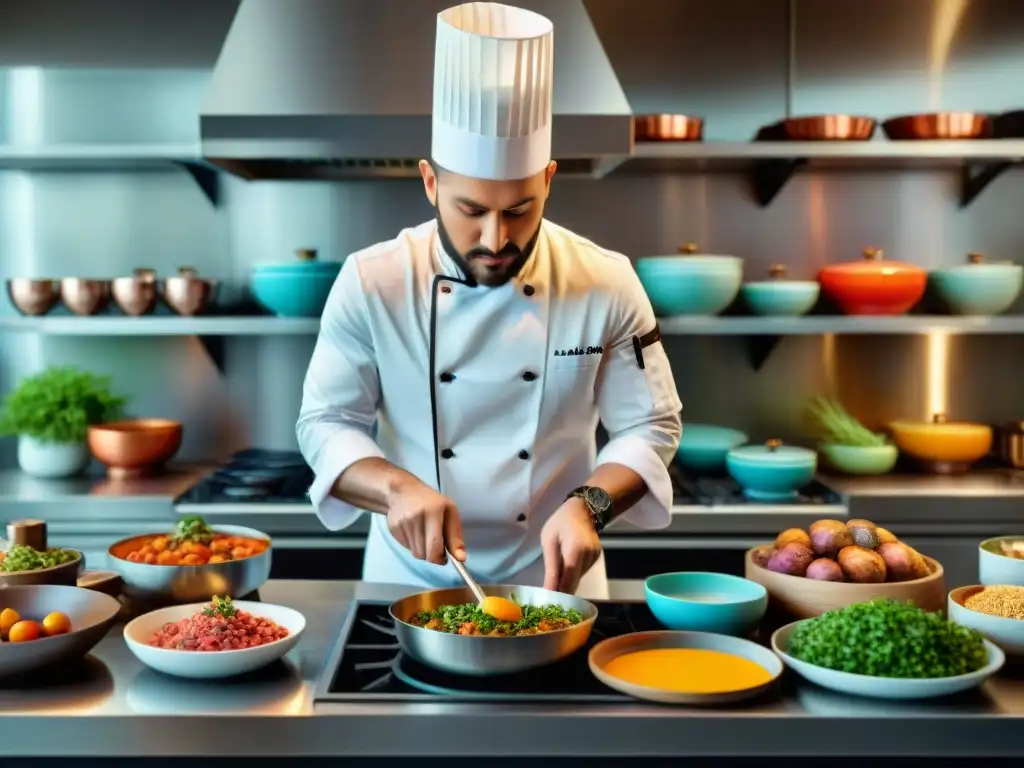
(948, 446)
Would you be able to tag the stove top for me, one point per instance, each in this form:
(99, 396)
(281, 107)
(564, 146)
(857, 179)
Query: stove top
(254, 476)
(723, 491)
(368, 665)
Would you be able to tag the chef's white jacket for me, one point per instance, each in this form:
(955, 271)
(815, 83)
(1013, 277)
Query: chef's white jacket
(490, 395)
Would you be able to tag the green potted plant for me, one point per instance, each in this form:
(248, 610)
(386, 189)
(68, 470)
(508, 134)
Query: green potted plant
(846, 444)
(51, 412)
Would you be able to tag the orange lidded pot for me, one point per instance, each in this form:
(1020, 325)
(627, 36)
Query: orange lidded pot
(873, 286)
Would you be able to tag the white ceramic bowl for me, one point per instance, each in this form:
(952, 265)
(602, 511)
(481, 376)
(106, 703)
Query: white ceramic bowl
(1008, 634)
(207, 665)
(995, 568)
(884, 687)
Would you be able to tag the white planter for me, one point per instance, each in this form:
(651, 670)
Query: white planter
(41, 459)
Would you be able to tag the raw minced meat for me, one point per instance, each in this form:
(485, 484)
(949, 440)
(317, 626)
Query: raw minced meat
(218, 627)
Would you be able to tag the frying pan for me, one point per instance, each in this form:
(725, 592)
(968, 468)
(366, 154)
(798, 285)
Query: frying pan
(485, 656)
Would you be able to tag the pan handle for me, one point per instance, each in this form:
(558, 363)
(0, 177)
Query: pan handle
(470, 582)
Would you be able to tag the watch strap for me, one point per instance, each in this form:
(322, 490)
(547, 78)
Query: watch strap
(595, 515)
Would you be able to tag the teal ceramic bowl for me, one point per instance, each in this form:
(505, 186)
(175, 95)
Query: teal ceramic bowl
(703, 447)
(978, 288)
(781, 298)
(771, 472)
(706, 602)
(1008, 634)
(860, 459)
(293, 295)
(996, 568)
(690, 284)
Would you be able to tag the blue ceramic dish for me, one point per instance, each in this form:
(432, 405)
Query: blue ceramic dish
(296, 288)
(703, 447)
(978, 288)
(706, 602)
(690, 284)
(779, 297)
(771, 472)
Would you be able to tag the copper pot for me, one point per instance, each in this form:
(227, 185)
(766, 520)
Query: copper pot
(667, 128)
(187, 294)
(134, 295)
(822, 128)
(939, 125)
(33, 297)
(83, 296)
(135, 447)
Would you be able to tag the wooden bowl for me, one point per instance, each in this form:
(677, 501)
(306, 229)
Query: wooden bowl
(802, 598)
(135, 447)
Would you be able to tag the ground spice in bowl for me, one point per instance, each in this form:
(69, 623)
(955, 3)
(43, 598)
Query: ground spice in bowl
(1004, 602)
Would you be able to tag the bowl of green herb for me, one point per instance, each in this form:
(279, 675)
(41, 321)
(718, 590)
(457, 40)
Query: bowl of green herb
(22, 565)
(886, 649)
(846, 444)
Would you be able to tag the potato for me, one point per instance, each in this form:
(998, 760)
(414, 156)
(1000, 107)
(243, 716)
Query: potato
(792, 559)
(902, 562)
(829, 536)
(762, 554)
(798, 535)
(862, 566)
(885, 536)
(863, 536)
(824, 569)
(859, 522)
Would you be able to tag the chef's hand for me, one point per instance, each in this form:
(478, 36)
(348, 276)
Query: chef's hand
(571, 546)
(425, 522)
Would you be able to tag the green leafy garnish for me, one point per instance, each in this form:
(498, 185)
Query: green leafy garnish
(831, 423)
(192, 528)
(20, 558)
(886, 638)
(453, 617)
(59, 405)
(220, 606)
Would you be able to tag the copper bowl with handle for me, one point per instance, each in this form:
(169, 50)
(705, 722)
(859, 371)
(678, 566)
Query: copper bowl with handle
(33, 297)
(135, 447)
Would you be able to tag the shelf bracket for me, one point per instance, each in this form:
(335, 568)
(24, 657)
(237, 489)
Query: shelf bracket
(770, 176)
(760, 349)
(215, 347)
(976, 176)
(206, 178)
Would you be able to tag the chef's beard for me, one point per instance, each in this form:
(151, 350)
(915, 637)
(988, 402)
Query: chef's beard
(471, 266)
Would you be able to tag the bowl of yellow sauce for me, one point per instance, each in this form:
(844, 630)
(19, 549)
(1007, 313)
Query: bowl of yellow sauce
(685, 667)
(699, 601)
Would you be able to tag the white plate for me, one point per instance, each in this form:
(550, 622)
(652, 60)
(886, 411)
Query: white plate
(211, 664)
(884, 687)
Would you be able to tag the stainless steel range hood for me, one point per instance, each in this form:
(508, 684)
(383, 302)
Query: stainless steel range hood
(340, 89)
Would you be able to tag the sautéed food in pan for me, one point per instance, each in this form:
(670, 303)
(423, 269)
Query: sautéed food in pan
(468, 619)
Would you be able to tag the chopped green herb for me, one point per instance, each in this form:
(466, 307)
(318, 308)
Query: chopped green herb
(21, 558)
(192, 528)
(886, 638)
(453, 618)
(220, 606)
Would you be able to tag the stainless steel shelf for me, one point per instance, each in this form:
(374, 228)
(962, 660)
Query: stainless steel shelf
(163, 326)
(880, 153)
(96, 157)
(681, 326)
(815, 325)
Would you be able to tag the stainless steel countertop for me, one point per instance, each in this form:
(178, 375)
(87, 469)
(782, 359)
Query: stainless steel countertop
(116, 707)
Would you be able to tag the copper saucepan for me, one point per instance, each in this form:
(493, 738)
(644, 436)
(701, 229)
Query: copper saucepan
(820, 128)
(939, 125)
(667, 128)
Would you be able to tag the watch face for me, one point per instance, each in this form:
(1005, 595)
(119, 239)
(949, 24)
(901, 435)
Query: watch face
(599, 500)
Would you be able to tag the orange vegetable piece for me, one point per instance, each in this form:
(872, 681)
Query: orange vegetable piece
(8, 618)
(56, 623)
(24, 631)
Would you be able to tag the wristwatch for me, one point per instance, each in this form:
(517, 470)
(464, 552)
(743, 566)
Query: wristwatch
(598, 502)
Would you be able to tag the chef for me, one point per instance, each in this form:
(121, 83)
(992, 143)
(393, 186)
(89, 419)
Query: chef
(462, 367)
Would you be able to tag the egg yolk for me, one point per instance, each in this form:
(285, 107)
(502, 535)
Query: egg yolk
(501, 608)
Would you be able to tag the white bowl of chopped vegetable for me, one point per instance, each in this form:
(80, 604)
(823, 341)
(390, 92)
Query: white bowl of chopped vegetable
(995, 611)
(885, 649)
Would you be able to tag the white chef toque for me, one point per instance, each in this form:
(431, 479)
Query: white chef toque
(493, 87)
